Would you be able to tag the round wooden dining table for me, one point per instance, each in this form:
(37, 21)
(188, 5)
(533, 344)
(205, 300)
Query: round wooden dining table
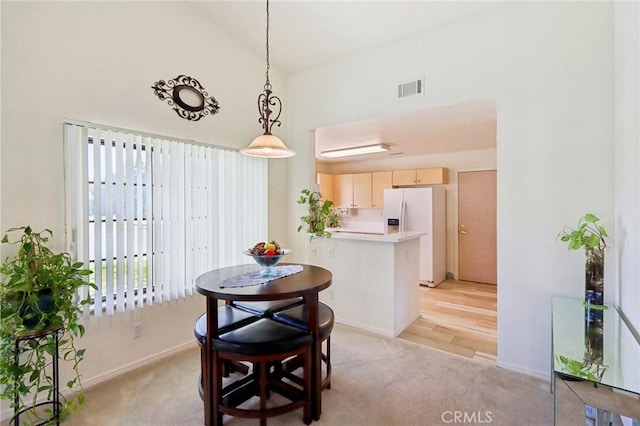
(306, 284)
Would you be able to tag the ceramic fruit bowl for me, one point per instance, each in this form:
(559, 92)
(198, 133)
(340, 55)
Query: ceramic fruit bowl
(268, 261)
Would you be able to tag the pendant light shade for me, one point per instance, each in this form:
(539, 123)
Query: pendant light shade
(268, 145)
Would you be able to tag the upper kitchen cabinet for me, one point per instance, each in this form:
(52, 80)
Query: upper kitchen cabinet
(379, 182)
(343, 190)
(362, 190)
(352, 190)
(403, 177)
(326, 186)
(431, 176)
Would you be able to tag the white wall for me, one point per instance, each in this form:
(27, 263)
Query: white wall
(627, 155)
(550, 68)
(96, 61)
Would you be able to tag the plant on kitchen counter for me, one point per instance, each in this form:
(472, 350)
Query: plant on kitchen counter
(320, 214)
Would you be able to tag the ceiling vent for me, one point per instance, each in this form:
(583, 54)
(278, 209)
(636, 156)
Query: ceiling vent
(410, 88)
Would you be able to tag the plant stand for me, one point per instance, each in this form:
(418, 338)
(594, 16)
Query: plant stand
(54, 402)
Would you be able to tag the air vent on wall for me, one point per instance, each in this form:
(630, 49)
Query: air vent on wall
(410, 88)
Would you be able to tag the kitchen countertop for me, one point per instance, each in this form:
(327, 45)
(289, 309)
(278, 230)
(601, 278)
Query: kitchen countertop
(395, 237)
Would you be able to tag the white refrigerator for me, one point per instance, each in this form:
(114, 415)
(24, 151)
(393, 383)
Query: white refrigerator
(421, 209)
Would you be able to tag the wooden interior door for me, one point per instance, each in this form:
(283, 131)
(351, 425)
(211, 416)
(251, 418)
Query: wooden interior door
(477, 240)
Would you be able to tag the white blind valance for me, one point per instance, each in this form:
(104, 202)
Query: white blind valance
(148, 214)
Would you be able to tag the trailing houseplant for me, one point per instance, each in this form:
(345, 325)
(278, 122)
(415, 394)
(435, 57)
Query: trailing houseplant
(39, 292)
(591, 237)
(320, 214)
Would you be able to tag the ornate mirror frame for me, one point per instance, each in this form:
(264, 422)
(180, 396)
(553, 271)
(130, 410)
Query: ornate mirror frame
(187, 97)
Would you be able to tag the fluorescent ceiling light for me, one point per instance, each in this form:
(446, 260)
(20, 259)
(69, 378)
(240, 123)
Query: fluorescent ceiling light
(355, 150)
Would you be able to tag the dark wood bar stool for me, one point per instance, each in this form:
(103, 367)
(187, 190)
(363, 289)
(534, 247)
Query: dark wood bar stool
(228, 319)
(297, 316)
(263, 343)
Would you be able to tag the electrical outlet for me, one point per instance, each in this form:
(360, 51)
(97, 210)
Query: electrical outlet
(137, 330)
(314, 251)
(330, 252)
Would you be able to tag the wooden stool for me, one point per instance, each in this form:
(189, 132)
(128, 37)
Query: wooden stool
(263, 343)
(297, 316)
(228, 319)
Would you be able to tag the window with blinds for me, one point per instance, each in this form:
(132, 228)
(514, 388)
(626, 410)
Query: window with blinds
(148, 214)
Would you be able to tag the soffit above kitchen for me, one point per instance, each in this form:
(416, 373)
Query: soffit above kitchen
(452, 128)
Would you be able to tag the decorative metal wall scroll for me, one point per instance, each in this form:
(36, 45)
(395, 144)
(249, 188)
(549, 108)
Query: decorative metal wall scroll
(187, 97)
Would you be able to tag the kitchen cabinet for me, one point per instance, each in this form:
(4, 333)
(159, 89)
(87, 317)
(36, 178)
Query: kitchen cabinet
(403, 177)
(379, 182)
(326, 186)
(352, 190)
(430, 176)
(362, 190)
(343, 190)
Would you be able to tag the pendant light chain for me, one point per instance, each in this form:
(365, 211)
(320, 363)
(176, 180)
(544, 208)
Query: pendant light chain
(267, 99)
(268, 145)
(267, 84)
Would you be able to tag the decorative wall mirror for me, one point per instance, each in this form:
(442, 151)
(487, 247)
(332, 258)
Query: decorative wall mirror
(187, 97)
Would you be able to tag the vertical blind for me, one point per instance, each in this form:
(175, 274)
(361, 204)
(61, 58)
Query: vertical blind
(148, 214)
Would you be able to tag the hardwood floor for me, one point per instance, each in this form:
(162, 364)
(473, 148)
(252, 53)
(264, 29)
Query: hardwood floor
(458, 317)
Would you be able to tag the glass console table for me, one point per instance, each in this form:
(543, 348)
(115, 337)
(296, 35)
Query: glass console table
(596, 366)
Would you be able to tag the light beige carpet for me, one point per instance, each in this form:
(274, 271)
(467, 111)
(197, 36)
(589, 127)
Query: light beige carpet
(376, 381)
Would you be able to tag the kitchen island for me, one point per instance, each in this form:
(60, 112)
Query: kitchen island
(375, 278)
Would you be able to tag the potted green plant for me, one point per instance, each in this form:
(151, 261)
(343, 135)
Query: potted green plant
(591, 237)
(39, 292)
(320, 214)
(588, 234)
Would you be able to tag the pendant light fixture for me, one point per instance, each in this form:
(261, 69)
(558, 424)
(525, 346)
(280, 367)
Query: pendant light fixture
(268, 145)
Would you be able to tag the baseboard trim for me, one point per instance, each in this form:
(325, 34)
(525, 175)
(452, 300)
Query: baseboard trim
(527, 372)
(357, 325)
(100, 379)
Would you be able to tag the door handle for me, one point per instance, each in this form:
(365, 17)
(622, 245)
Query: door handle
(461, 230)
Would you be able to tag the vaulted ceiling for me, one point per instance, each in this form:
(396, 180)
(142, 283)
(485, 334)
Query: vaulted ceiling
(307, 33)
